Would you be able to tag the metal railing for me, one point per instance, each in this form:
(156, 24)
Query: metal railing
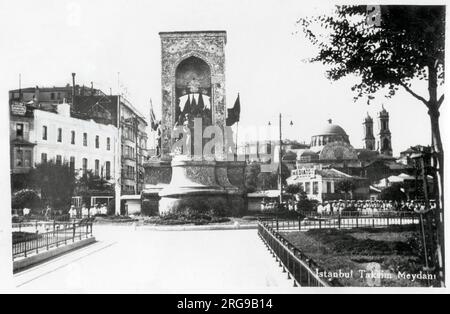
(301, 269)
(62, 234)
(34, 225)
(344, 220)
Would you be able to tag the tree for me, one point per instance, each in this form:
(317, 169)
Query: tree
(56, 183)
(305, 204)
(346, 187)
(389, 50)
(91, 182)
(251, 177)
(393, 193)
(25, 198)
(267, 180)
(294, 189)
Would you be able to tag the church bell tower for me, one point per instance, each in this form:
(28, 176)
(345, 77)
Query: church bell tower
(369, 139)
(384, 136)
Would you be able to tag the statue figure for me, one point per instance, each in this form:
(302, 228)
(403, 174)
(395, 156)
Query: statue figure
(187, 129)
(158, 138)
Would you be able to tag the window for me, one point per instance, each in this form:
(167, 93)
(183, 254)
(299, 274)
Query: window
(52, 96)
(85, 165)
(130, 172)
(44, 132)
(72, 163)
(19, 130)
(97, 167)
(308, 188)
(43, 158)
(315, 187)
(58, 159)
(97, 141)
(108, 143)
(108, 170)
(329, 187)
(72, 137)
(59, 135)
(22, 158)
(85, 139)
(301, 185)
(386, 144)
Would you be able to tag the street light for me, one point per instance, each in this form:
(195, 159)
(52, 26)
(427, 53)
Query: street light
(280, 179)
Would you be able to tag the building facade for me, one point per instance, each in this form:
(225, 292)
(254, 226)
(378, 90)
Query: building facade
(322, 184)
(108, 131)
(118, 111)
(133, 148)
(38, 136)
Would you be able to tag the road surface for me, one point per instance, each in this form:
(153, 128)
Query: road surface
(133, 261)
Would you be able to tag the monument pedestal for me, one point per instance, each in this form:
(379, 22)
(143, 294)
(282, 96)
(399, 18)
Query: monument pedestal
(157, 176)
(193, 188)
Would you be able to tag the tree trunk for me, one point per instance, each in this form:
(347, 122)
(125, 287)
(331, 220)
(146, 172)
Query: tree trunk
(438, 164)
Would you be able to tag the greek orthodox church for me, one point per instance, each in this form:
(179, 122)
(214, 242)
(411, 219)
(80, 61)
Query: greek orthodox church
(330, 147)
(331, 157)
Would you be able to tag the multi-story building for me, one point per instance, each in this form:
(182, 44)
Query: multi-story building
(39, 135)
(90, 109)
(131, 125)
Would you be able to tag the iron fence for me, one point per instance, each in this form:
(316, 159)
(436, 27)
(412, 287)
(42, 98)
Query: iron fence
(301, 269)
(344, 220)
(28, 243)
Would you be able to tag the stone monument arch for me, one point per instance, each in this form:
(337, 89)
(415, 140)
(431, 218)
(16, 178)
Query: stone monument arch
(193, 86)
(195, 52)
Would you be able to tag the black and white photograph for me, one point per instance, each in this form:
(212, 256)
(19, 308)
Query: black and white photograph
(223, 147)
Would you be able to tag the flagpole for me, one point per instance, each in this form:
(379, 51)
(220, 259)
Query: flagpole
(237, 133)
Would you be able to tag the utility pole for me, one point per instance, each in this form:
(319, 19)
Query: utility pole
(280, 179)
(136, 131)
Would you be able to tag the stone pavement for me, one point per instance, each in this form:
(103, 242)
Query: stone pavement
(132, 260)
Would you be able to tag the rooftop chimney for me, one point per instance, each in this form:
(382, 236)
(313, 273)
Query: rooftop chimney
(73, 87)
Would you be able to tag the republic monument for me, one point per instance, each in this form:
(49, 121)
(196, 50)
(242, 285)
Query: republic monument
(193, 94)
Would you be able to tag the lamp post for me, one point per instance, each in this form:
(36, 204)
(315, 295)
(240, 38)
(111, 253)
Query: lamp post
(280, 156)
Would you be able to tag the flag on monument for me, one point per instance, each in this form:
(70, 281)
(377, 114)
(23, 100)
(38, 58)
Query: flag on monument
(153, 123)
(234, 113)
(201, 104)
(187, 106)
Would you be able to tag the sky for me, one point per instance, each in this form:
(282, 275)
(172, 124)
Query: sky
(115, 44)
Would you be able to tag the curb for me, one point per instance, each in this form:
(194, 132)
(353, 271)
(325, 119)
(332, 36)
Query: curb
(196, 228)
(27, 262)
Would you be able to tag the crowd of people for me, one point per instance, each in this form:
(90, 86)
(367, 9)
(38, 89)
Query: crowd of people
(86, 212)
(73, 212)
(368, 207)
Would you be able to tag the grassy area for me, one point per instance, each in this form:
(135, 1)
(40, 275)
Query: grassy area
(24, 236)
(395, 249)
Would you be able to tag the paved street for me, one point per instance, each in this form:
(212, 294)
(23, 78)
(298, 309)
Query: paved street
(129, 260)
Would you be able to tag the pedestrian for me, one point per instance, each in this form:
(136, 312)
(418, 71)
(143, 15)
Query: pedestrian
(104, 209)
(48, 211)
(26, 211)
(72, 212)
(320, 208)
(84, 211)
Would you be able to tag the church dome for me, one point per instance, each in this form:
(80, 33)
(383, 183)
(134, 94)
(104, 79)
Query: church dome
(330, 133)
(331, 129)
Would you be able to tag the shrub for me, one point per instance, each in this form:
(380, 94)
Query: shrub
(25, 198)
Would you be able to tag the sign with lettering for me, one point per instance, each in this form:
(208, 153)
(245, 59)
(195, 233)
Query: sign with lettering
(18, 109)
